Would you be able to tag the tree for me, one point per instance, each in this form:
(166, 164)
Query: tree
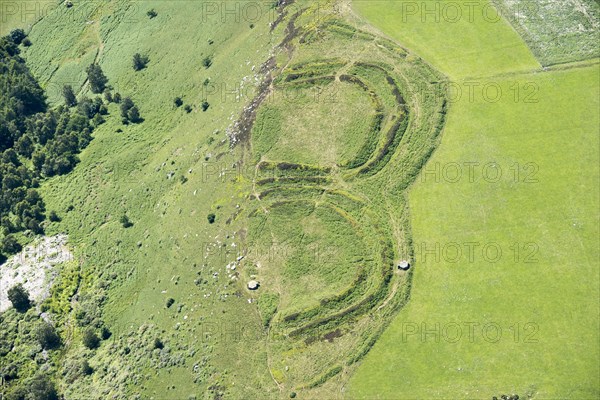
(151, 13)
(108, 96)
(211, 218)
(90, 339)
(178, 101)
(52, 216)
(97, 78)
(98, 120)
(42, 388)
(126, 104)
(10, 157)
(134, 115)
(125, 221)
(46, 336)
(86, 369)
(69, 96)
(7, 225)
(25, 146)
(34, 226)
(139, 61)
(19, 298)
(105, 333)
(207, 62)
(10, 245)
(86, 108)
(205, 105)
(17, 36)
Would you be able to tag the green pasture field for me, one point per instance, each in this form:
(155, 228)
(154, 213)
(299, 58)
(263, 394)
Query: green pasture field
(516, 174)
(462, 39)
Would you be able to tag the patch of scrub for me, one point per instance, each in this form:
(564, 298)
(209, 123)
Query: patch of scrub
(557, 31)
(34, 268)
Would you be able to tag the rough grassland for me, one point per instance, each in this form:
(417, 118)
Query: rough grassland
(461, 41)
(140, 172)
(172, 170)
(556, 293)
(168, 173)
(336, 117)
(342, 222)
(22, 14)
(556, 31)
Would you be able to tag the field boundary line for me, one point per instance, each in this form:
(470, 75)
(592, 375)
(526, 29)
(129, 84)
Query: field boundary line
(556, 67)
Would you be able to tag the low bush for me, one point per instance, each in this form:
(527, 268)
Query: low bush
(207, 62)
(125, 221)
(90, 339)
(19, 297)
(86, 369)
(139, 61)
(46, 336)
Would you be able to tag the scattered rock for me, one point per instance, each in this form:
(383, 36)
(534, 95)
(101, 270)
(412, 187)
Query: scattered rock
(34, 268)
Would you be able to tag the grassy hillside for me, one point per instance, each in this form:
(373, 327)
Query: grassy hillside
(170, 221)
(23, 14)
(284, 143)
(164, 174)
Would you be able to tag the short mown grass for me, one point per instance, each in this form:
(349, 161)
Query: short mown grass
(546, 306)
(463, 39)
